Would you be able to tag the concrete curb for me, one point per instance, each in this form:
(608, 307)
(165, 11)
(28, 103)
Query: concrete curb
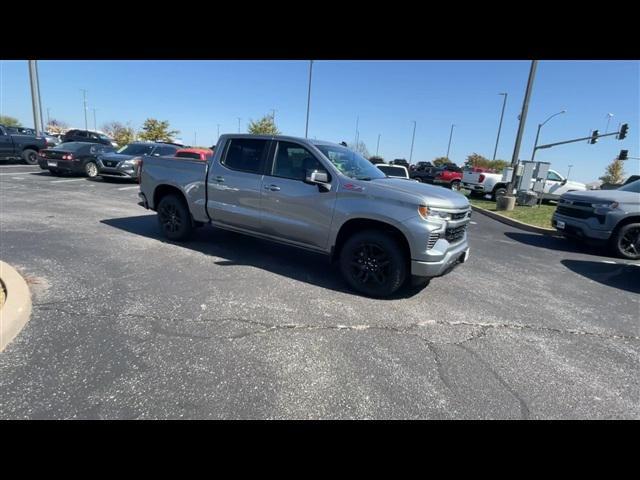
(515, 223)
(15, 312)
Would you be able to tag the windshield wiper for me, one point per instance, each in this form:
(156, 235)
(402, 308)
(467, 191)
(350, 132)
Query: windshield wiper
(366, 179)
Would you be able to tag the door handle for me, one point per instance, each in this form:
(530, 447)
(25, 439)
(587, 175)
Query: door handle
(220, 179)
(273, 188)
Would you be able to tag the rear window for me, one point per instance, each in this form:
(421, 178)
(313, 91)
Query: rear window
(246, 155)
(193, 155)
(167, 151)
(71, 146)
(393, 171)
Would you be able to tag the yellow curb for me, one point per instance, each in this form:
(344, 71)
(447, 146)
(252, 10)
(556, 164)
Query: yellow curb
(516, 223)
(15, 312)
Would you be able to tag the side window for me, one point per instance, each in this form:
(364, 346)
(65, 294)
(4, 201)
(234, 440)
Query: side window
(293, 161)
(93, 136)
(553, 176)
(80, 133)
(246, 155)
(166, 151)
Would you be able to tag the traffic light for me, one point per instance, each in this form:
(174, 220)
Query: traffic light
(624, 155)
(623, 131)
(594, 137)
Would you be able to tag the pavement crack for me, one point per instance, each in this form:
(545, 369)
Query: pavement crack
(524, 408)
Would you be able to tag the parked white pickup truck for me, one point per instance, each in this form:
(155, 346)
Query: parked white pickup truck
(491, 183)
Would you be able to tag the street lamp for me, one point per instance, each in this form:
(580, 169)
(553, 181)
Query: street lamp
(239, 124)
(450, 136)
(569, 171)
(412, 139)
(378, 145)
(504, 104)
(609, 116)
(540, 125)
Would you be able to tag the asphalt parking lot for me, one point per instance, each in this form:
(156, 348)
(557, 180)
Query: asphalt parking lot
(126, 325)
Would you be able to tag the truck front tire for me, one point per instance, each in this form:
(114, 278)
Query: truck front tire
(30, 157)
(372, 263)
(626, 241)
(174, 218)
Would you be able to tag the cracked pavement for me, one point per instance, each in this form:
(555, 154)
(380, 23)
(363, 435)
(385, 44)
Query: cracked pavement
(128, 326)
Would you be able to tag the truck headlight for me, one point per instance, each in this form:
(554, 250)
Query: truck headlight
(609, 205)
(431, 214)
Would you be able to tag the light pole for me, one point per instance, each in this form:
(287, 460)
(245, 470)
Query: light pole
(569, 171)
(84, 101)
(609, 116)
(450, 137)
(217, 139)
(239, 124)
(504, 104)
(35, 97)
(413, 137)
(273, 115)
(540, 125)
(355, 144)
(95, 124)
(378, 145)
(306, 128)
(48, 116)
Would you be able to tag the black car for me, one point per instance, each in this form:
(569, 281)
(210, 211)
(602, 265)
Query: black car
(400, 161)
(73, 157)
(87, 136)
(124, 163)
(420, 166)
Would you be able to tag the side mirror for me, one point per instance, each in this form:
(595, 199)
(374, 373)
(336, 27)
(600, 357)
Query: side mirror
(316, 176)
(564, 182)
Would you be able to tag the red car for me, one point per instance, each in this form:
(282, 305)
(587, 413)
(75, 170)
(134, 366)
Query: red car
(196, 153)
(449, 175)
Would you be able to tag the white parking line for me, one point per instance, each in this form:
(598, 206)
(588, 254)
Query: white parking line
(474, 223)
(18, 166)
(17, 173)
(17, 178)
(128, 188)
(70, 180)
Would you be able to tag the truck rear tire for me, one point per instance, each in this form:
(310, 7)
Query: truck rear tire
(174, 218)
(372, 263)
(30, 157)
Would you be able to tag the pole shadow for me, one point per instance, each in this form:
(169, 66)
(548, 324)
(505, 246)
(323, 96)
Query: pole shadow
(559, 244)
(621, 276)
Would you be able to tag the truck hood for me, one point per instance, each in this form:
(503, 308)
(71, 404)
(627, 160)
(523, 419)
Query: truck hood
(422, 193)
(602, 196)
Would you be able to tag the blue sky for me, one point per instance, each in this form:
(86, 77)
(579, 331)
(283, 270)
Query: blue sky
(387, 96)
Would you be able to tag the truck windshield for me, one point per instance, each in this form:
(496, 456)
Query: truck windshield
(136, 149)
(350, 163)
(631, 187)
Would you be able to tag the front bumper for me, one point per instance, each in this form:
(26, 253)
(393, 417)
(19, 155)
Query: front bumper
(117, 170)
(452, 259)
(581, 228)
(71, 166)
(473, 187)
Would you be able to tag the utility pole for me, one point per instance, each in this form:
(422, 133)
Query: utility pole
(306, 128)
(357, 133)
(39, 97)
(238, 124)
(378, 145)
(195, 138)
(95, 124)
(48, 116)
(217, 139)
(273, 115)
(35, 97)
(450, 136)
(413, 137)
(569, 171)
(516, 149)
(504, 104)
(84, 101)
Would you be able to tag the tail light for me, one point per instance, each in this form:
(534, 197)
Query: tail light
(67, 157)
(42, 154)
(481, 178)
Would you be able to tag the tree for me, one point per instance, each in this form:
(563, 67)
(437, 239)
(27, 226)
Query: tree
(264, 126)
(57, 127)
(121, 134)
(157, 131)
(9, 121)
(361, 148)
(438, 162)
(475, 160)
(614, 172)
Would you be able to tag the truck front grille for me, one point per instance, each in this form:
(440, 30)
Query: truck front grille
(433, 238)
(579, 213)
(455, 233)
(461, 215)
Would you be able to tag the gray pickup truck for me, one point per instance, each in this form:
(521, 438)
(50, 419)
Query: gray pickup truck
(603, 217)
(15, 146)
(384, 232)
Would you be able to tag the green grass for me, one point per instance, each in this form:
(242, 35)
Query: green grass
(538, 216)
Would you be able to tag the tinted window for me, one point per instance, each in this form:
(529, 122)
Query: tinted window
(136, 149)
(97, 148)
(79, 133)
(393, 171)
(293, 161)
(70, 146)
(631, 187)
(166, 151)
(245, 154)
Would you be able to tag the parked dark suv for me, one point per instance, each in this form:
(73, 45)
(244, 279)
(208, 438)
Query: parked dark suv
(124, 163)
(87, 136)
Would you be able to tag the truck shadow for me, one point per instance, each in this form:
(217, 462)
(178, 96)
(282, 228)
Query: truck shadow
(557, 243)
(237, 249)
(624, 277)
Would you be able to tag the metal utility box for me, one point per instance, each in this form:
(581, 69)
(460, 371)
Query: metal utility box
(506, 174)
(542, 168)
(526, 176)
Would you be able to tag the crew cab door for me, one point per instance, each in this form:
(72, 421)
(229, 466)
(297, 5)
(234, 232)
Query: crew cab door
(6, 144)
(293, 210)
(554, 187)
(234, 184)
